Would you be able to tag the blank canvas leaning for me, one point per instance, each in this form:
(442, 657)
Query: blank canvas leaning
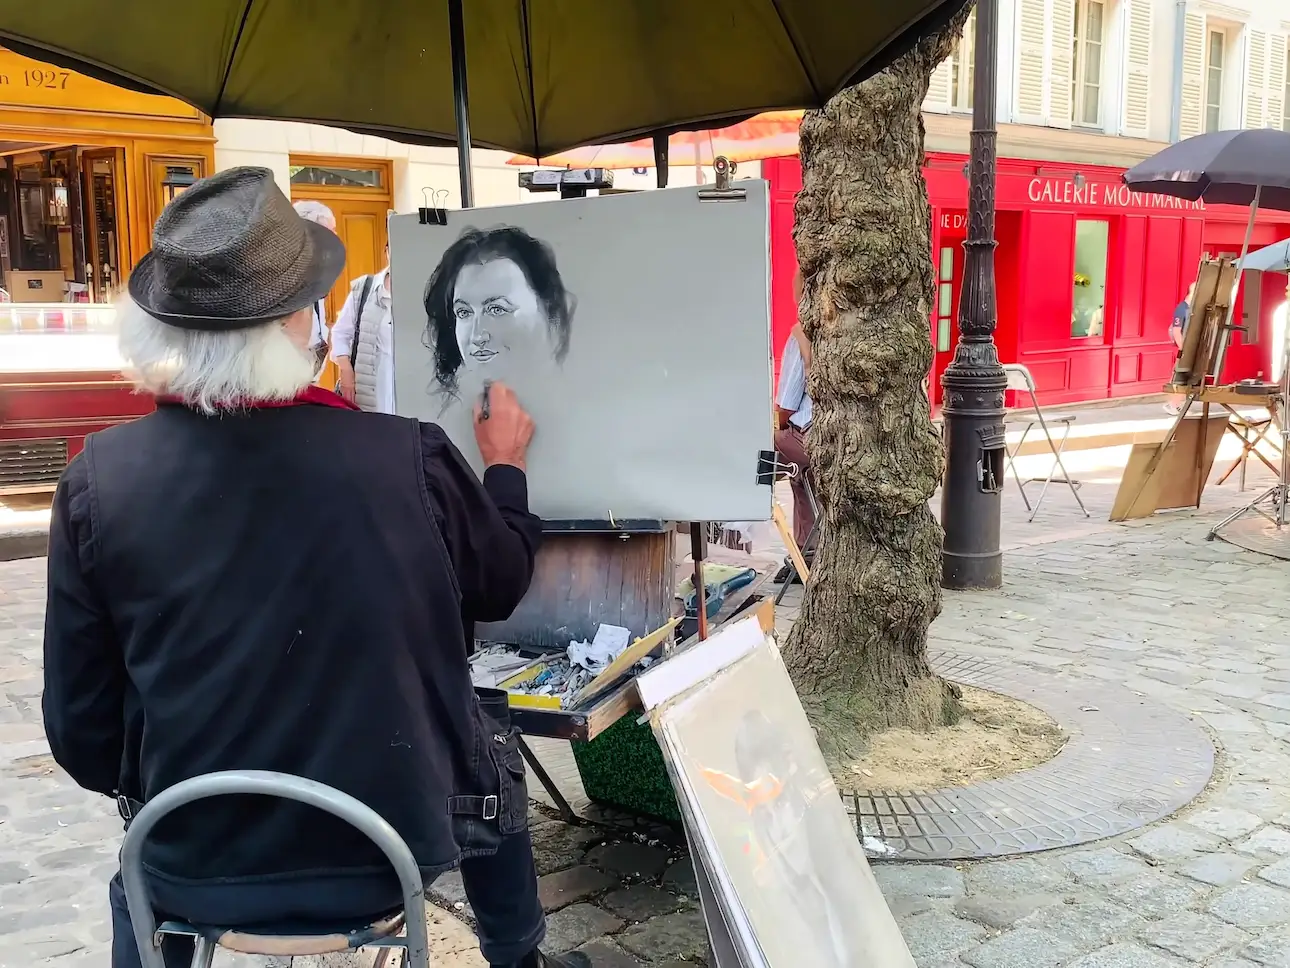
(634, 328)
(751, 776)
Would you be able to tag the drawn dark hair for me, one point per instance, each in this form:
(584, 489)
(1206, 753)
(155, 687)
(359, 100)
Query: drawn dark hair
(476, 247)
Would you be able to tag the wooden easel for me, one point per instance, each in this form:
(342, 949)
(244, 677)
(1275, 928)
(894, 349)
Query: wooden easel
(588, 573)
(1171, 473)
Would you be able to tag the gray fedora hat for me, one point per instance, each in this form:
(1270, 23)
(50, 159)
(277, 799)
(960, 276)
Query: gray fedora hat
(231, 253)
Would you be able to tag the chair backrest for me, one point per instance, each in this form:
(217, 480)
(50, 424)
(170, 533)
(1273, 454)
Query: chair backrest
(265, 783)
(1019, 378)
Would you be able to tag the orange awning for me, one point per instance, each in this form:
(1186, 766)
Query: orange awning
(769, 135)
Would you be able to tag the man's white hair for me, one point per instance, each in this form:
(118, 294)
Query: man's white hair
(313, 211)
(211, 371)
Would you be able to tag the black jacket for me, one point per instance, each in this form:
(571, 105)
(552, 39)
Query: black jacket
(288, 589)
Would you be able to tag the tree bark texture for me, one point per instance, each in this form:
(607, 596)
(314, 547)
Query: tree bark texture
(858, 652)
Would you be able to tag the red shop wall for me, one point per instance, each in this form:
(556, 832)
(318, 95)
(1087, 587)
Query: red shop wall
(1158, 257)
(1249, 354)
(1154, 245)
(785, 177)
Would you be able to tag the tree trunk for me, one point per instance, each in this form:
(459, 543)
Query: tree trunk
(858, 653)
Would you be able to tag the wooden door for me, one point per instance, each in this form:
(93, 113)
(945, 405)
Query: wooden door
(948, 263)
(359, 193)
(106, 228)
(361, 225)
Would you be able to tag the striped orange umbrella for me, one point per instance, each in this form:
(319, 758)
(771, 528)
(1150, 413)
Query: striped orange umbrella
(769, 135)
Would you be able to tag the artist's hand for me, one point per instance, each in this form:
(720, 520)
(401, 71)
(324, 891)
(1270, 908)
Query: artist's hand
(504, 437)
(347, 388)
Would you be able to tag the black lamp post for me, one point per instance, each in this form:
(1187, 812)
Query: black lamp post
(975, 382)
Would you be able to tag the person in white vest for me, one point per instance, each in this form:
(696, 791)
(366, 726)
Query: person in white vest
(366, 364)
(320, 214)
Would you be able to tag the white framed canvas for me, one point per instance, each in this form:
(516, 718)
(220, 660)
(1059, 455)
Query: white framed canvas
(634, 328)
(754, 784)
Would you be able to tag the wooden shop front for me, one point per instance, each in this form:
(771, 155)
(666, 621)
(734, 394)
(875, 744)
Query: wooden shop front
(85, 168)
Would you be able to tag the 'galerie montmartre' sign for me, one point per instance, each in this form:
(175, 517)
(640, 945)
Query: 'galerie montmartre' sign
(1064, 191)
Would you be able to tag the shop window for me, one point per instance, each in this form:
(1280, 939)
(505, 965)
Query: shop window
(168, 176)
(961, 59)
(338, 177)
(945, 299)
(1215, 52)
(1089, 302)
(1086, 59)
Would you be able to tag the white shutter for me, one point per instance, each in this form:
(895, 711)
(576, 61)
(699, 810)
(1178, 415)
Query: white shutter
(938, 91)
(1274, 108)
(1191, 114)
(1032, 55)
(1061, 67)
(1255, 81)
(1135, 117)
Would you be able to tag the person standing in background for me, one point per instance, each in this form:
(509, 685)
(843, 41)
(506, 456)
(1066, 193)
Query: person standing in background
(362, 343)
(1182, 314)
(319, 214)
(793, 410)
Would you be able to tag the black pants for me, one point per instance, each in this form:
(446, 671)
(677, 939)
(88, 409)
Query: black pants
(502, 888)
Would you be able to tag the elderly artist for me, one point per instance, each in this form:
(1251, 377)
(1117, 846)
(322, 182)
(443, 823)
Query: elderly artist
(202, 617)
(793, 408)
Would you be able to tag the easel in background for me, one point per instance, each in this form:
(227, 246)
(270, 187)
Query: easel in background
(1172, 473)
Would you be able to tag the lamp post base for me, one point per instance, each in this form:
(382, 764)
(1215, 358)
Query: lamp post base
(975, 459)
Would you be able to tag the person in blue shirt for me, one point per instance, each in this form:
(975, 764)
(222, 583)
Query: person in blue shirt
(793, 410)
(1182, 314)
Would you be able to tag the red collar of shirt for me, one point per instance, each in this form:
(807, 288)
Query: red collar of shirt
(310, 396)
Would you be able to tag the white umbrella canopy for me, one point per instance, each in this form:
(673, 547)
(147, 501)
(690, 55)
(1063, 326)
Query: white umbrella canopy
(1270, 258)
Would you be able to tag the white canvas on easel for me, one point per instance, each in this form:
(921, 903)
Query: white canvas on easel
(634, 328)
(789, 877)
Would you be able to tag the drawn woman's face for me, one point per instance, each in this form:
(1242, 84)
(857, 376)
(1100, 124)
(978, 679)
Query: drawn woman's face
(495, 310)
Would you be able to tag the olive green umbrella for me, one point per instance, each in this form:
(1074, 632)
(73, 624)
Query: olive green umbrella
(543, 75)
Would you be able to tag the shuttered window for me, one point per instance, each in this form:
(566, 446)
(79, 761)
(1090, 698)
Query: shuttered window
(950, 88)
(1264, 84)
(1135, 116)
(1215, 56)
(1191, 116)
(1043, 83)
(1285, 89)
(1087, 52)
(961, 64)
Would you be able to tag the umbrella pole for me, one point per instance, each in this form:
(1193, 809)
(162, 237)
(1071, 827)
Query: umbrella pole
(1221, 356)
(461, 100)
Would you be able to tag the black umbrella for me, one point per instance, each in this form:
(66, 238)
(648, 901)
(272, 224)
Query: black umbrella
(1222, 168)
(543, 75)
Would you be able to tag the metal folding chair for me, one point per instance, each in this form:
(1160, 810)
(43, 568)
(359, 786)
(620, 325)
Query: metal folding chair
(384, 933)
(787, 471)
(1020, 380)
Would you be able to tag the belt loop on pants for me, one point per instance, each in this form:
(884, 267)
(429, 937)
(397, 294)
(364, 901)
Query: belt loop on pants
(485, 808)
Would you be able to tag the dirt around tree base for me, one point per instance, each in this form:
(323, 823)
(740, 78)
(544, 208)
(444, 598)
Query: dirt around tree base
(997, 735)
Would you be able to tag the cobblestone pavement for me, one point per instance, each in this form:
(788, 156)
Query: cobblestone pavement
(1150, 605)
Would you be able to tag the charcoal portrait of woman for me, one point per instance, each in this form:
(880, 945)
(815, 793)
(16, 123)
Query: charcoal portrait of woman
(495, 293)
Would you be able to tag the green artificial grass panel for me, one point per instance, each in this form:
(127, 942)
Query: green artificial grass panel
(623, 767)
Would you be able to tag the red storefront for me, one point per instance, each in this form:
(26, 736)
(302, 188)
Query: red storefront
(1088, 273)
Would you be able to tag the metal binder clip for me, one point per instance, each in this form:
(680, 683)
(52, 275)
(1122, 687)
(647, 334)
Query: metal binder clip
(437, 212)
(724, 169)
